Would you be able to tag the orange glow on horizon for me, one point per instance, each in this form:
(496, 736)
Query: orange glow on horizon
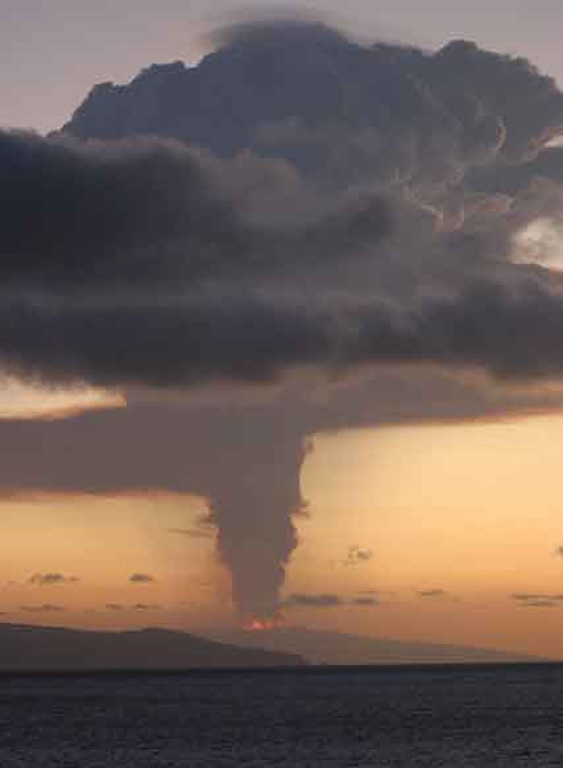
(260, 625)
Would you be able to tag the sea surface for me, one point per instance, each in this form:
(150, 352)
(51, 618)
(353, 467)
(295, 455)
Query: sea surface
(470, 716)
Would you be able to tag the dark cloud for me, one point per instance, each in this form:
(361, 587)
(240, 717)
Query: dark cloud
(141, 578)
(43, 608)
(142, 213)
(357, 220)
(101, 215)
(275, 30)
(51, 579)
(365, 602)
(118, 607)
(511, 332)
(301, 600)
(432, 593)
(357, 556)
(558, 552)
(328, 600)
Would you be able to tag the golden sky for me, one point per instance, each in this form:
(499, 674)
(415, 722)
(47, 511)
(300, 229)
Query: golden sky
(471, 512)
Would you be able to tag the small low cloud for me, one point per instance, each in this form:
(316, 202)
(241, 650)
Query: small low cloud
(379, 593)
(43, 608)
(328, 600)
(432, 594)
(141, 578)
(537, 599)
(51, 579)
(558, 552)
(192, 533)
(307, 600)
(357, 556)
(365, 602)
(542, 604)
(118, 607)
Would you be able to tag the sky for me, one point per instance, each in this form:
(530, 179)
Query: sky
(430, 522)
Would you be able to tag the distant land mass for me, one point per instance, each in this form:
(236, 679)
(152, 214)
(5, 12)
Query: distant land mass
(25, 648)
(336, 648)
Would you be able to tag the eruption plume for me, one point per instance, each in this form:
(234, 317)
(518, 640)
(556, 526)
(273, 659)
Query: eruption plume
(347, 248)
(253, 510)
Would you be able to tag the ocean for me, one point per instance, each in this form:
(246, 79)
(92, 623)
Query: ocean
(459, 717)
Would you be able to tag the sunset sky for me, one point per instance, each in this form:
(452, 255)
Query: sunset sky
(439, 523)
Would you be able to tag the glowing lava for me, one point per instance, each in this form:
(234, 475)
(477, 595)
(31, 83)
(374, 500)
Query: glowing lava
(259, 625)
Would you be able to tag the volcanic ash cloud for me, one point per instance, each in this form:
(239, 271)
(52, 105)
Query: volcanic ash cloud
(366, 209)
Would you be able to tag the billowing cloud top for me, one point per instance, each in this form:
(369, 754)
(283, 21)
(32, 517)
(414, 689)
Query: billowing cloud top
(360, 206)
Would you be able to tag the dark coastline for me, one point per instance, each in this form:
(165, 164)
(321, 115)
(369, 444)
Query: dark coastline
(315, 670)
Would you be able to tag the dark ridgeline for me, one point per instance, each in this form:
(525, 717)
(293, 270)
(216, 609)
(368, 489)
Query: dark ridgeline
(26, 648)
(341, 649)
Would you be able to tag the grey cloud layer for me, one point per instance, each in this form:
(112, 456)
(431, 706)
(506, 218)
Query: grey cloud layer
(142, 214)
(131, 262)
(510, 331)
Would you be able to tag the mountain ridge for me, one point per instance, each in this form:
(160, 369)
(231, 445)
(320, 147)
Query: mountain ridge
(342, 649)
(30, 648)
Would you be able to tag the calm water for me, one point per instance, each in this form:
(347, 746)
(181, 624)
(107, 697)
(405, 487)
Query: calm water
(447, 717)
